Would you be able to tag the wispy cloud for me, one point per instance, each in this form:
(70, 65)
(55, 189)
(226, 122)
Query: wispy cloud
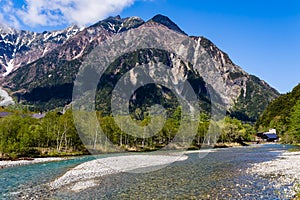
(59, 12)
(7, 15)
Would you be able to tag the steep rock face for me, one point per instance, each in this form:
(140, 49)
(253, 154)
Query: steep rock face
(150, 94)
(48, 81)
(18, 48)
(60, 65)
(45, 52)
(245, 95)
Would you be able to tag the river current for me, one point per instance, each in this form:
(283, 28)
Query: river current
(219, 175)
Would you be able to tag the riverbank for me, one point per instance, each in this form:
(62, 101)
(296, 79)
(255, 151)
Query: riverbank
(63, 156)
(221, 174)
(86, 175)
(283, 171)
(9, 163)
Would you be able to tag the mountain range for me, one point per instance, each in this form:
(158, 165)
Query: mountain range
(39, 69)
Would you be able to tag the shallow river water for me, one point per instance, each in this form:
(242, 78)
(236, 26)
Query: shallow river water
(219, 175)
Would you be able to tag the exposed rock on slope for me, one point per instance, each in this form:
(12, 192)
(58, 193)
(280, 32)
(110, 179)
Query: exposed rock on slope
(18, 48)
(45, 76)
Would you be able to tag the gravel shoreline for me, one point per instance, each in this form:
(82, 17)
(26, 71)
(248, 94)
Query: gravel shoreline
(282, 172)
(85, 175)
(8, 163)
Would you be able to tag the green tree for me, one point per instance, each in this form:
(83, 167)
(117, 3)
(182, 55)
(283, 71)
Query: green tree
(294, 125)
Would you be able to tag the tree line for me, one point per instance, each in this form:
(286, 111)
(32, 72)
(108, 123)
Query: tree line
(283, 114)
(21, 135)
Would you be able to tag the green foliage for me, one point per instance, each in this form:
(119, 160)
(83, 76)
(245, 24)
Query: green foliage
(22, 135)
(235, 75)
(253, 101)
(235, 131)
(56, 135)
(293, 131)
(283, 114)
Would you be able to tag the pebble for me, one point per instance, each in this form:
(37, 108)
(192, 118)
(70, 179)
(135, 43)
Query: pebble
(283, 172)
(94, 169)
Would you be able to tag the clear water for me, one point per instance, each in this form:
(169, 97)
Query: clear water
(13, 179)
(220, 175)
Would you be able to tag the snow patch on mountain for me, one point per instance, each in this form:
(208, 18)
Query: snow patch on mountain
(9, 68)
(5, 99)
(23, 47)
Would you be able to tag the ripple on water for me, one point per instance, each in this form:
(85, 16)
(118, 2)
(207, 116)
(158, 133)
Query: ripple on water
(219, 175)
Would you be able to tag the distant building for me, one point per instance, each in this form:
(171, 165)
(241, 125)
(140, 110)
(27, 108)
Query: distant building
(270, 136)
(273, 130)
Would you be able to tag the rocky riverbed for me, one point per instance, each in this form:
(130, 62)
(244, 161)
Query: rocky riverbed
(282, 172)
(254, 172)
(84, 175)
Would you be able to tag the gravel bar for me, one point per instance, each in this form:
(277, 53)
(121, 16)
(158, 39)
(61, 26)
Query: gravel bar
(282, 172)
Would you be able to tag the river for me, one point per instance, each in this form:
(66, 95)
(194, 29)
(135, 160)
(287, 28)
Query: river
(219, 175)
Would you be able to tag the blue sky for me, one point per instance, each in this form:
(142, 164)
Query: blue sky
(260, 36)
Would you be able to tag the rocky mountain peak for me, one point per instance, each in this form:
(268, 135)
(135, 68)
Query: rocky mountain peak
(117, 24)
(166, 21)
(18, 47)
(43, 65)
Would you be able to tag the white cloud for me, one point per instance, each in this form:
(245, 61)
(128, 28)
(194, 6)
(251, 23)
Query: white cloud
(60, 12)
(7, 17)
